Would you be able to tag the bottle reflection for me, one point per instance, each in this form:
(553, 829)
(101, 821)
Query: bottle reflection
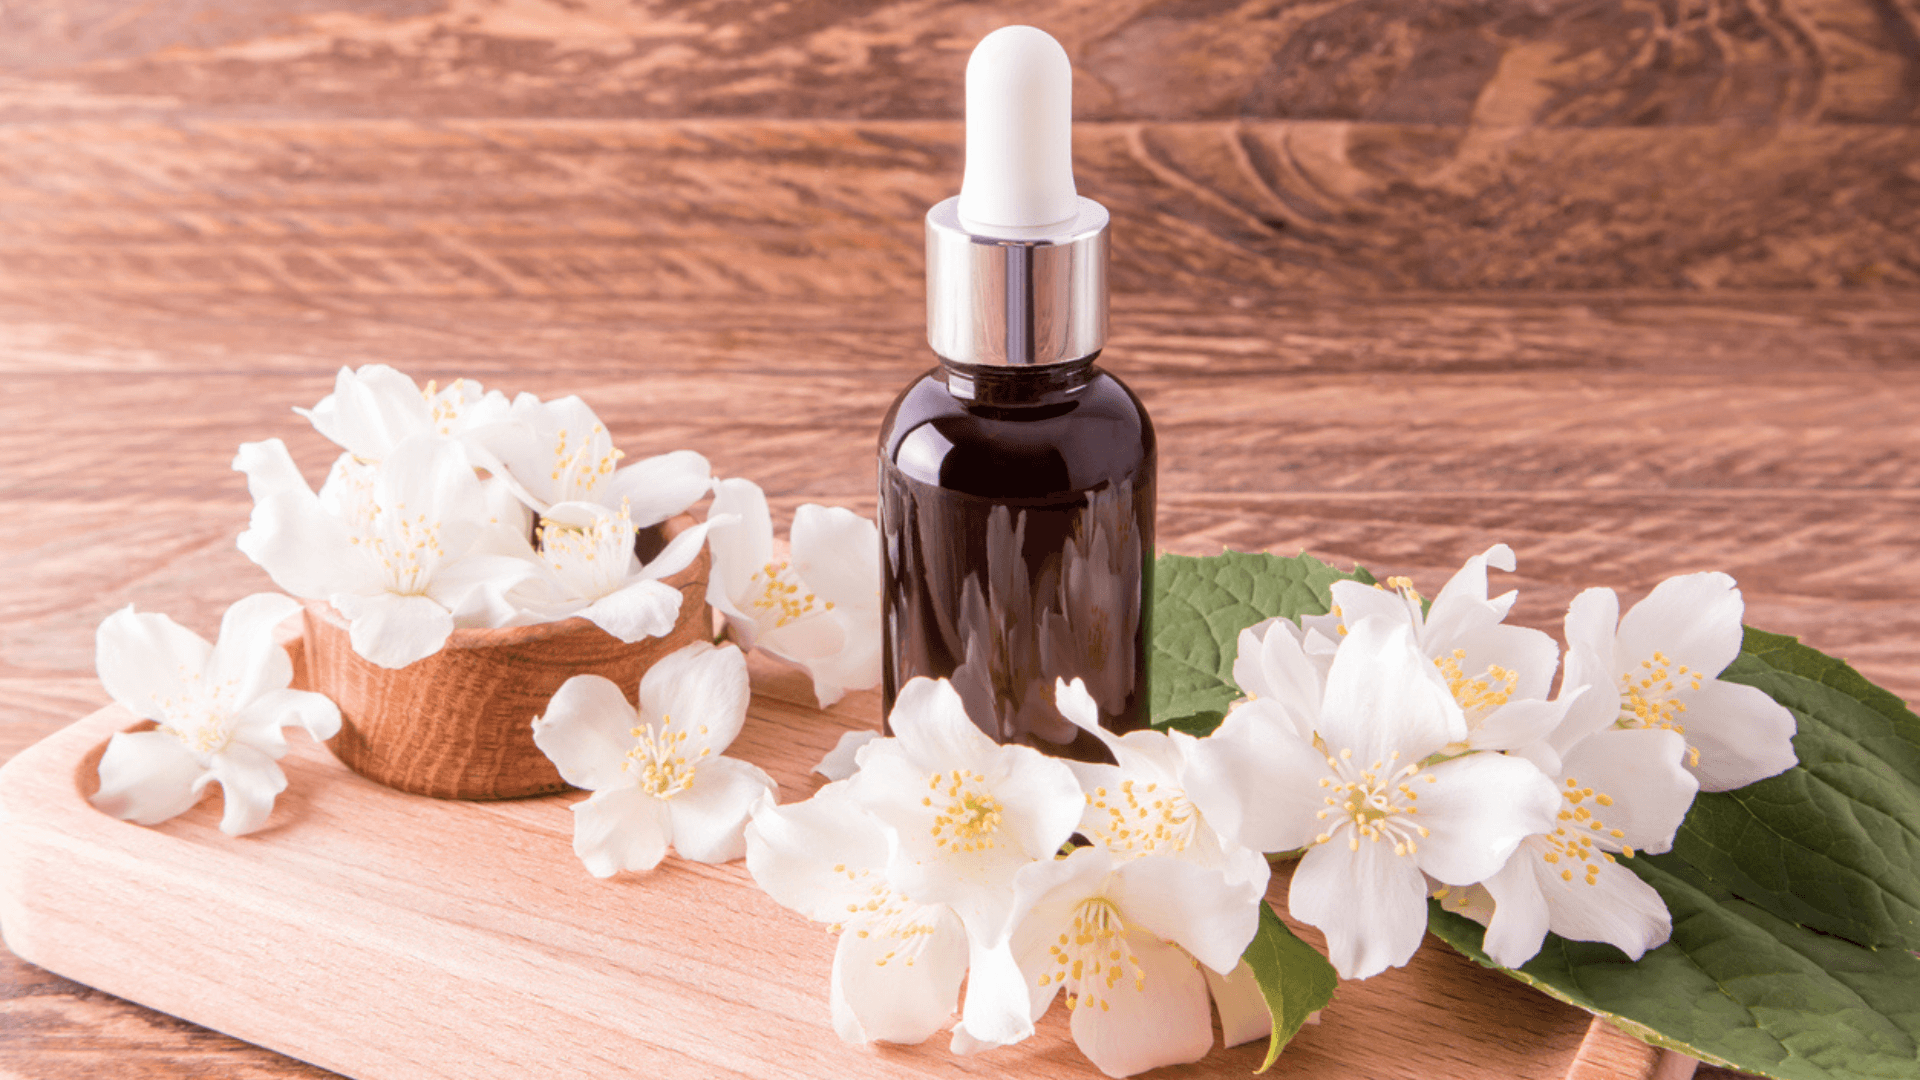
(1019, 552)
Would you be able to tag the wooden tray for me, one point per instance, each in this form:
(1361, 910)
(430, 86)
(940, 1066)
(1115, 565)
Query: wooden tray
(393, 937)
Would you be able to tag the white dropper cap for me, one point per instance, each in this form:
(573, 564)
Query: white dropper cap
(1017, 262)
(1019, 171)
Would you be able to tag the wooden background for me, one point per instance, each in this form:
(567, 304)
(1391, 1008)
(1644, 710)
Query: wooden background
(1633, 286)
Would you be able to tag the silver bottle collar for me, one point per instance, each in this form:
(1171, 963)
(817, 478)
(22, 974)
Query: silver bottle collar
(1021, 296)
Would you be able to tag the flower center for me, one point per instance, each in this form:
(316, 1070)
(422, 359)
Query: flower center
(406, 547)
(777, 598)
(1581, 833)
(1092, 956)
(1375, 804)
(591, 559)
(445, 406)
(970, 819)
(578, 470)
(1144, 818)
(664, 771)
(888, 913)
(198, 717)
(1648, 697)
(1480, 695)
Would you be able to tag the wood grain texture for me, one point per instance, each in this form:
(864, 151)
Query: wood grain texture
(1600, 62)
(1608, 1052)
(556, 973)
(710, 210)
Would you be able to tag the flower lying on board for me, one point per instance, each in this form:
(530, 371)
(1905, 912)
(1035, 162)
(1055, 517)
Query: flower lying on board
(1142, 805)
(657, 775)
(941, 857)
(219, 709)
(819, 608)
(1658, 667)
(1364, 797)
(966, 812)
(1121, 936)
(898, 965)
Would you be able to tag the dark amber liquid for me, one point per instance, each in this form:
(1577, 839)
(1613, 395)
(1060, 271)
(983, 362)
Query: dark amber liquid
(1016, 516)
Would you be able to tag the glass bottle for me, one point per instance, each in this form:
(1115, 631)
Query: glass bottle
(1017, 478)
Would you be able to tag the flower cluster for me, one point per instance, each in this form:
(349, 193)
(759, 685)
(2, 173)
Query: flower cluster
(942, 858)
(1403, 749)
(1412, 749)
(456, 507)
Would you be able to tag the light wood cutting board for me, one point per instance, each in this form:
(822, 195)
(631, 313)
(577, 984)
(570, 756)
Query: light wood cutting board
(392, 937)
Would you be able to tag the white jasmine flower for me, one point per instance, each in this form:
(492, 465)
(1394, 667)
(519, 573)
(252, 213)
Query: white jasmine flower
(818, 609)
(559, 452)
(1621, 792)
(589, 568)
(657, 775)
(1140, 806)
(496, 599)
(1498, 674)
(968, 813)
(219, 708)
(1283, 666)
(898, 964)
(842, 761)
(375, 408)
(1366, 798)
(1121, 938)
(391, 546)
(1658, 668)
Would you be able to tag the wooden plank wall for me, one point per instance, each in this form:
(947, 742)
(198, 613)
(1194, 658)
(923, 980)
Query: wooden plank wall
(719, 149)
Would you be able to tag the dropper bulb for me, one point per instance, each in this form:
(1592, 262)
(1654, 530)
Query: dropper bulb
(1019, 171)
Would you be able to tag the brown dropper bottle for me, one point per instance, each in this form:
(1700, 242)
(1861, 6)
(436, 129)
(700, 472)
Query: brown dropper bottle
(1017, 477)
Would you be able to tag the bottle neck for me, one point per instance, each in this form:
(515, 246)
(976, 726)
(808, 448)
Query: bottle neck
(1000, 385)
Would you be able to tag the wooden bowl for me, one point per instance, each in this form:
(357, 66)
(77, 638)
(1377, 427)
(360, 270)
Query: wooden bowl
(458, 724)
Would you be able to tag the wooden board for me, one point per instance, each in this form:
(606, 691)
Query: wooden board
(393, 937)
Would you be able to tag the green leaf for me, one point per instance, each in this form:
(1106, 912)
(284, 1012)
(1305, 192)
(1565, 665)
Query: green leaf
(1833, 844)
(1199, 725)
(1775, 890)
(1294, 978)
(1736, 986)
(1200, 605)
